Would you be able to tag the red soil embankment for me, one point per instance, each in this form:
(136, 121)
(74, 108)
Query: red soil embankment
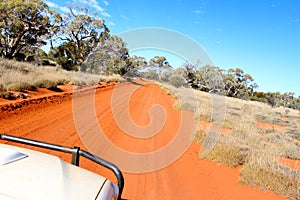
(189, 177)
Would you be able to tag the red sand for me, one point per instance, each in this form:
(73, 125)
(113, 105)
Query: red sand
(284, 118)
(189, 177)
(271, 126)
(292, 164)
(205, 125)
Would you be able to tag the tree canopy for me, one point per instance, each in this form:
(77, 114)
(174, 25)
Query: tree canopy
(25, 23)
(80, 40)
(109, 56)
(80, 27)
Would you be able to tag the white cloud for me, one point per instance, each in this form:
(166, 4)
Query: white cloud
(106, 3)
(51, 4)
(85, 2)
(105, 14)
(89, 2)
(93, 3)
(64, 9)
(124, 17)
(98, 8)
(199, 12)
(111, 23)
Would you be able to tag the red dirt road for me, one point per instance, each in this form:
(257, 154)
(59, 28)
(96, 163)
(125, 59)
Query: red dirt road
(56, 120)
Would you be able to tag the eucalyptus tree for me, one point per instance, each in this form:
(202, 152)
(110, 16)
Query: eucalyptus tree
(136, 62)
(81, 28)
(189, 71)
(159, 61)
(135, 65)
(210, 79)
(161, 66)
(25, 23)
(238, 84)
(110, 56)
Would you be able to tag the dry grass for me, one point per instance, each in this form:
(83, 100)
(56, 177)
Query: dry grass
(228, 154)
(255, 148)
(186, 98)
(21, 86)
(267, 174)
(20, 76)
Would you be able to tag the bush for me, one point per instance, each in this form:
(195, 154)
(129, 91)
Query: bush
(20, 56)
(47, 62)
(44, 83)
(21, 86)
(2, 88)
(177, 80)
(76, 82)
(61, 81)
(150, 74)
(30, 58)
(228, 155)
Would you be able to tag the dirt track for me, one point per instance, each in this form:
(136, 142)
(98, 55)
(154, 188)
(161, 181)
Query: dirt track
(188, 178)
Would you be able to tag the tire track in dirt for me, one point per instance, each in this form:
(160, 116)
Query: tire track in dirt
(188, 178)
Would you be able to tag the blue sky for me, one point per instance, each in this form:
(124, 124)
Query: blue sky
(262, 37)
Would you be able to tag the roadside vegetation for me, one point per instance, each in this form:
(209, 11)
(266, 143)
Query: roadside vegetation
(256, 130)
(21, 76)
(257, 136)
(261, 140)
(79, 40)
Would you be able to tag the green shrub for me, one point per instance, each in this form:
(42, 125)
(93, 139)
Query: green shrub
(47, 62)
(21, 86)
(2, 88)
(30, 58)
(14, 87)
(44, 83)
(113, 79)
(177, 80)
(74, 82)
(61, 81)
(20, 56)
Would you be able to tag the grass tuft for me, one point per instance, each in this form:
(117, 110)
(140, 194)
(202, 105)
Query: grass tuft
(45, 83)
(21, 87)
(226, 154)
(268, 175)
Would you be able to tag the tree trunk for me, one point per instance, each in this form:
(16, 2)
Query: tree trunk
(80, 54)
(16, 43)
